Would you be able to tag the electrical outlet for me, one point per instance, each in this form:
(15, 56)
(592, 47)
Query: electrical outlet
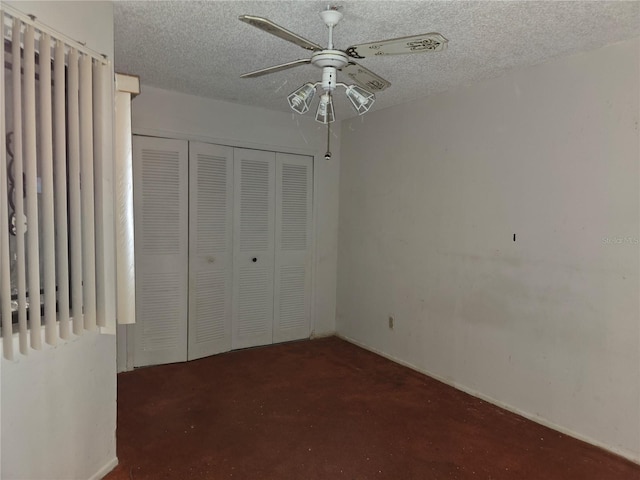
(391, 321)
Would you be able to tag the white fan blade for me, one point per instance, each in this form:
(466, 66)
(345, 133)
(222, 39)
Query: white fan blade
(275, 68)
(270, 27)
(365, 78)
(427, 42)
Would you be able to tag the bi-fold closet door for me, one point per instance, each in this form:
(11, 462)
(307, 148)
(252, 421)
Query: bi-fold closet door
(239, 272)
(210, 249)
(254, 248)
(160, 203)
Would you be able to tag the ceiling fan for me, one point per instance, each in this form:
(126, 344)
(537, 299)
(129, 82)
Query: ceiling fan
(331, 60)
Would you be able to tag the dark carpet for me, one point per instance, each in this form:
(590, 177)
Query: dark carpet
(326, 409)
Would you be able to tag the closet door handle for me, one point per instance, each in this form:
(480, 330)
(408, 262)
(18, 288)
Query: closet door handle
(254, 259)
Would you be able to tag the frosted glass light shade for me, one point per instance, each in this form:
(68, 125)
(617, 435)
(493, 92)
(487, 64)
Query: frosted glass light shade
(361, 99)
(325, 114)
(300, 100)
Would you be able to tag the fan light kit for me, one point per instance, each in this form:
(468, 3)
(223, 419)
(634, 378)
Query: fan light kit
(331, 61)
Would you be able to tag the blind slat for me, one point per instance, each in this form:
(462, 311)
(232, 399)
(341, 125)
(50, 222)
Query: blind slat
(46, 154)
(18, 185)
(60, 165)
(5, 270)
(75, 219)
(104, 191)
(87, 184)
(98, 133)
(31, 180)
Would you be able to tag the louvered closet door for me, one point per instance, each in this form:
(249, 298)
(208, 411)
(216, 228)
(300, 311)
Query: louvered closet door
(293, 247)
(210, 248)
(253, 259)
(160, 208)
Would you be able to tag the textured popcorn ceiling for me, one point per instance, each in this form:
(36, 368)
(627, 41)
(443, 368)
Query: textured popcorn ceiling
(201, 48)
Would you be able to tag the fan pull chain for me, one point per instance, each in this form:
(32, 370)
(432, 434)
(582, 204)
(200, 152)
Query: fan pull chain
(327, 155)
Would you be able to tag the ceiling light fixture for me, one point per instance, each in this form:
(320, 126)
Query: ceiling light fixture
(361, 99)
(331, 60)
(325, 113)
(300, 100)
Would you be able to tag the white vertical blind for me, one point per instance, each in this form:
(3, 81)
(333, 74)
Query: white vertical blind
(46, 153)
(60, 166)
(56, 187)
(104, 192)
(5, 270)
(31, 182)
(75, 215)
(86, 181)
(18, 194)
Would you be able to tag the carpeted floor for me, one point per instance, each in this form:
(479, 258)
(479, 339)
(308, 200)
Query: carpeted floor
(325, 409)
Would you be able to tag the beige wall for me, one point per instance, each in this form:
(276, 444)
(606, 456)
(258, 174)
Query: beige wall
(431, 194)
(58, 405)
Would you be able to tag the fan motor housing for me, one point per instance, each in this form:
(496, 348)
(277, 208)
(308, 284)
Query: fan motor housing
(329, 58)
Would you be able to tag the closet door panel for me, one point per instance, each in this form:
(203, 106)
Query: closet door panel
(253, 260)
(293, 247)
(210, 248)
(160, 206)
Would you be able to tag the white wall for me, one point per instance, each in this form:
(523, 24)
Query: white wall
(171, 114)
(87, 22)
(58, 405)
(59, 411)
(431, 194)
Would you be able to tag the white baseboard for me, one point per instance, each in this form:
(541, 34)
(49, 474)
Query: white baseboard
(629, 455)
(315, 335)
(110, 465)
